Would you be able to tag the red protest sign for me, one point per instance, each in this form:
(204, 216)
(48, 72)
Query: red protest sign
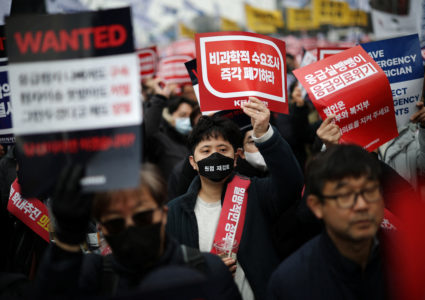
(233, 66)
(148, 58)
(173, 70)
(325, 52)
(351, 86)
(32, 212)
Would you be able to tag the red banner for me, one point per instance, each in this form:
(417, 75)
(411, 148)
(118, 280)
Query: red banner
(233, 66)
(351, 86)
(323, 53)
(232, 216)
(148, 58)
(173, 70)
(32, 212)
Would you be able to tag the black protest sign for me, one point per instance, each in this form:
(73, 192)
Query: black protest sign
(6, 135)
(75, 98)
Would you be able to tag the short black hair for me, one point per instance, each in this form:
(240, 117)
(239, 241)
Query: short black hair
(337, 162)
(214, 127)
(175, 102)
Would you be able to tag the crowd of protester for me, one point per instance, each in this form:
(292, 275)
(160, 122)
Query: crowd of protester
(314, 220)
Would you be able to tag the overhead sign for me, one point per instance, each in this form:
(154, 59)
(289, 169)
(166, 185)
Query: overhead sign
(352, 86)
(6, 133)
(262, 20)
(229, 25)
(75, 90)
(331, 12)
(172, 69)
(300, 19)
(404, 69)
(233, 66)
(148, 58)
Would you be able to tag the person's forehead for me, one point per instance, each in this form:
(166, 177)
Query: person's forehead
(184, 106)
(213, 141)
(350, 181)
(131, 199)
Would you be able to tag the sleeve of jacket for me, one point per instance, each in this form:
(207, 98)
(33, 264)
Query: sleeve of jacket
(282, 188)
(220, 280)
(58, 273)
(153, 114)
(421, 152)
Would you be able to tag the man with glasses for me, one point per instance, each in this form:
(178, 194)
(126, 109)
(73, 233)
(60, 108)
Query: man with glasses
(344, 262)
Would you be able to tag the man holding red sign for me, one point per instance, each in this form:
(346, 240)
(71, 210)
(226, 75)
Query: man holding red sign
(227, 214)
(353, 88)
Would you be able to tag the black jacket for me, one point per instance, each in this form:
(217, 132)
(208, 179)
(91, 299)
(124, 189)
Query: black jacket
(318, 271)
(74, 274)
(267, 199)
(164, 145)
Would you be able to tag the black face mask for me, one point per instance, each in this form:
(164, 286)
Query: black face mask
(216, 167)
(137, 248)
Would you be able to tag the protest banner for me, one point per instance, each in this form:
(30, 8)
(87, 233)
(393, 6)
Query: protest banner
(148, 59)
(331, 12)
(185, 31)
(185, 47)
(32, 212)
(352, 86)
(75, 92)
(6, 134)
(233, 66)
(404, 69)
(325, 52)
(263, 20)
(229, 25)
(300, 19)
(172, 69)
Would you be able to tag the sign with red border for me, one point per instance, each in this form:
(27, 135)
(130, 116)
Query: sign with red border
(232, 66)
(352, 86)
(148, 58)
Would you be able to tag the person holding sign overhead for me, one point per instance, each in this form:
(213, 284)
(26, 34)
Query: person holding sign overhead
(230, 215)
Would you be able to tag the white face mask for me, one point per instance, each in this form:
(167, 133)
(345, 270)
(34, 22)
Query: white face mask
(256, 160)
(183, 125)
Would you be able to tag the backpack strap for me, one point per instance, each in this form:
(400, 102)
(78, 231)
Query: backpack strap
(109, 279)
(194, 258)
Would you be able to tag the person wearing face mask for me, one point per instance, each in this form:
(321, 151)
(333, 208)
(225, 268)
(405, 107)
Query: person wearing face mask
(166, 138)
(222, 206)
(250, 163)
(144, 258)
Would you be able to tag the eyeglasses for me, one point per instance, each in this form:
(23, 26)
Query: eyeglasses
(140, 219)
(348, 200)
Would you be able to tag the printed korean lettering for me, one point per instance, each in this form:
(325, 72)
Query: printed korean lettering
(244, 56)
(44, 222)
(226, 74)
(230, 228)
(28, 208)
(235, 56)
(236, 73)
(35, 213)
(214, 58)
(224, 57)
(4, 90)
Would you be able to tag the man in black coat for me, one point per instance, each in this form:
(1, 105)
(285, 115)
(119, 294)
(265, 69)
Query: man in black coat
(345, 261)
(214, 143)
